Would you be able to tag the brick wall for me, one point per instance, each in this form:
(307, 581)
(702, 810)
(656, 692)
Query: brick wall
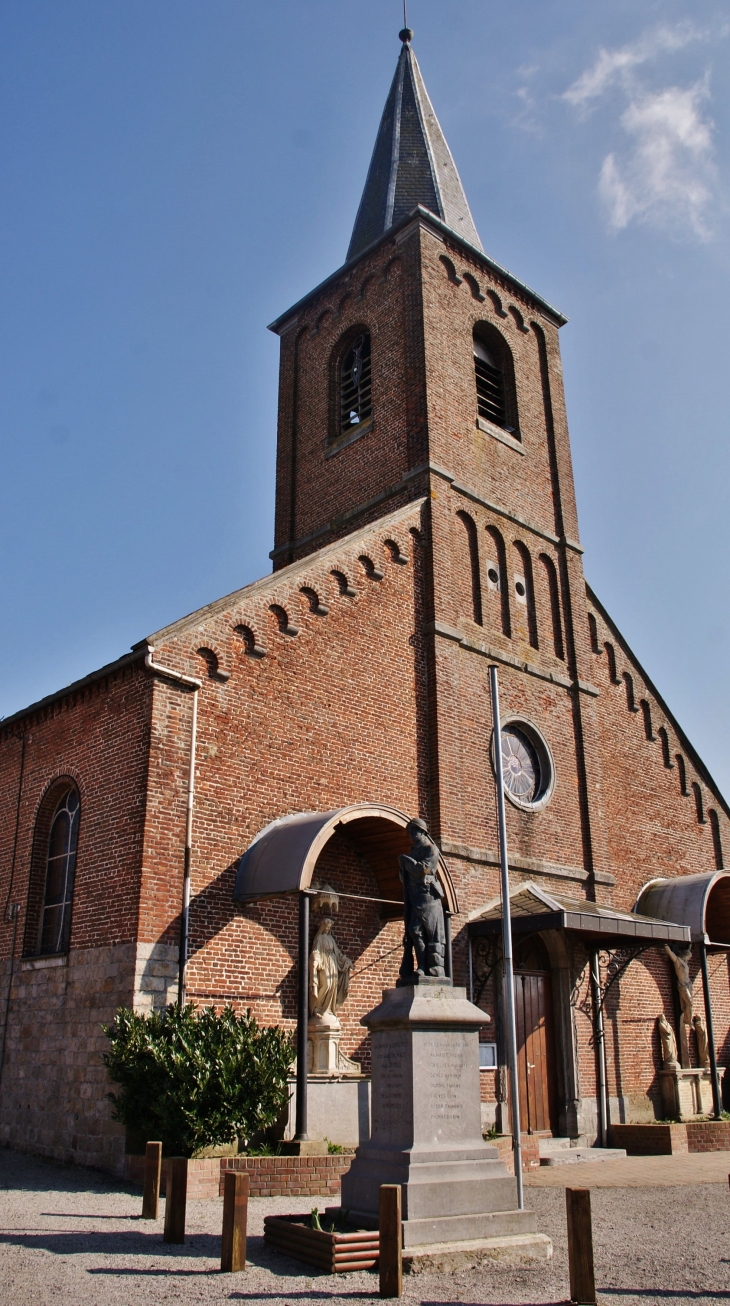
(53, 1088)
(326, 717)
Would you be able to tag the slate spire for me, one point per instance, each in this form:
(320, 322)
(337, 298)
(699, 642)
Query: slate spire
(411, 163)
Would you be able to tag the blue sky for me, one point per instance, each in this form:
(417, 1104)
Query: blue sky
(176, 174)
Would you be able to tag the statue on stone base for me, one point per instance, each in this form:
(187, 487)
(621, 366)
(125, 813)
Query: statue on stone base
(425, 933)
(703, 1046)
(680, 961)
(329, 985)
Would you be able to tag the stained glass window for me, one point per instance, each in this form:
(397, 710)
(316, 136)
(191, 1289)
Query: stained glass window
(60, 867)
(520, 765)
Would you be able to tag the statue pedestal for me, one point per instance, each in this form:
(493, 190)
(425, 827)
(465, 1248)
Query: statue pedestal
(686, 1092)
(323, 1048)
(426, 1130)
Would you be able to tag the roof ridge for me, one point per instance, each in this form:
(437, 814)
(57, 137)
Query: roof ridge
(265, 583)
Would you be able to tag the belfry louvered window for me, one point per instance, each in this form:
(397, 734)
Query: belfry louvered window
(490, 383)
(356, 404)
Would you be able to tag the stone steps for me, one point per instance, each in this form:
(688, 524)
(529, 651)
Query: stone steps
(561, 1151)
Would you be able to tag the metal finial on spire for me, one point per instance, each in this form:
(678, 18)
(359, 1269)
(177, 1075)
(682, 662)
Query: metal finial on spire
(406, 35)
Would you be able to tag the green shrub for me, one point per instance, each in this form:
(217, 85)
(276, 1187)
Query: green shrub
(194, 1078)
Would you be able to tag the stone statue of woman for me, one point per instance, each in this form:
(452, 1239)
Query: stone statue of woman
(669, 1043)
(703, 1046)
(329, 972)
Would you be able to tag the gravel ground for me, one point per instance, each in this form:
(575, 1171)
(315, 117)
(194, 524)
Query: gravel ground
(70, 1235)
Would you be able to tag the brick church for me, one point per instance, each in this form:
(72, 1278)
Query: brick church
(166, 815)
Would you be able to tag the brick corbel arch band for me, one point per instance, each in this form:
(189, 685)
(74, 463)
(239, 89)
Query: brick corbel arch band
(283, 856)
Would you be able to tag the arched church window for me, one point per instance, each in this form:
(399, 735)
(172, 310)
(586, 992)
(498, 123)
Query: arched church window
(494, 386)
(356, 405)
(55, 924)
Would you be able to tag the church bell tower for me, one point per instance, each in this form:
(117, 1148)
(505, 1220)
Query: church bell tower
(422, 370)
(420, 356)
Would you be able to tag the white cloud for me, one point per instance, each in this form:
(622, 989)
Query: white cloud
(668, 178)
(612, 66)
(665, 173)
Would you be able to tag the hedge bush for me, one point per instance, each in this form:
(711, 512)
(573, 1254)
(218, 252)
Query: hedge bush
(196, 1079)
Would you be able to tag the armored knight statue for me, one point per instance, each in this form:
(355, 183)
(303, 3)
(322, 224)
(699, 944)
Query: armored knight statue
(425, 934)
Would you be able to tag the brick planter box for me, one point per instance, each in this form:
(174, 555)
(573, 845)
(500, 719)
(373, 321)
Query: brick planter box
(673, 1140)
(290, 1176)
(204, 1175)
(269, 1176)
(530, 1150)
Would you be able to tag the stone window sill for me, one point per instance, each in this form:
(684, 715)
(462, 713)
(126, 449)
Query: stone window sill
(503, 436)
(344, 441)
(44, 963)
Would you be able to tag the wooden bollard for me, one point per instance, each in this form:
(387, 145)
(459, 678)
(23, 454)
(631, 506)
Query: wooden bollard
(151, 1189)
(390, 1254)
(580, 1246)
(235, 1218)
(176, 1200)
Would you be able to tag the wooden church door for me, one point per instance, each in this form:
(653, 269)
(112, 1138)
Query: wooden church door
(535, 1039)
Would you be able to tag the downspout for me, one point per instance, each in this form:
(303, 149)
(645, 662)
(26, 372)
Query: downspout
(602, 1100)
(716, 1095)
(196, 685)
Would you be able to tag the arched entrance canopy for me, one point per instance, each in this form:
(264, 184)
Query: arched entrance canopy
(701, 902)
(282, 857)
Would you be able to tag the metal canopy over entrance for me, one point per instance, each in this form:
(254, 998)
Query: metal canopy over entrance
(533, 909)
(283, 856)
(699, 902)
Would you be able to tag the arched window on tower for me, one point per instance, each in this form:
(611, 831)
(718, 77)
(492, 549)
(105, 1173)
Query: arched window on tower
(699, 804)
(497, 584)
(355, 406)
(553, 594)
(475, 576)
(494, 377)
(524, 588)
(58, 866)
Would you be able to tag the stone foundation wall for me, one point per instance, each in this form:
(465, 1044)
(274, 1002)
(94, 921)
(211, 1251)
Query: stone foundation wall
(53, 1094)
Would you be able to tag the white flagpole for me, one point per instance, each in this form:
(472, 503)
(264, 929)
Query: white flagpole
(508, 984)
